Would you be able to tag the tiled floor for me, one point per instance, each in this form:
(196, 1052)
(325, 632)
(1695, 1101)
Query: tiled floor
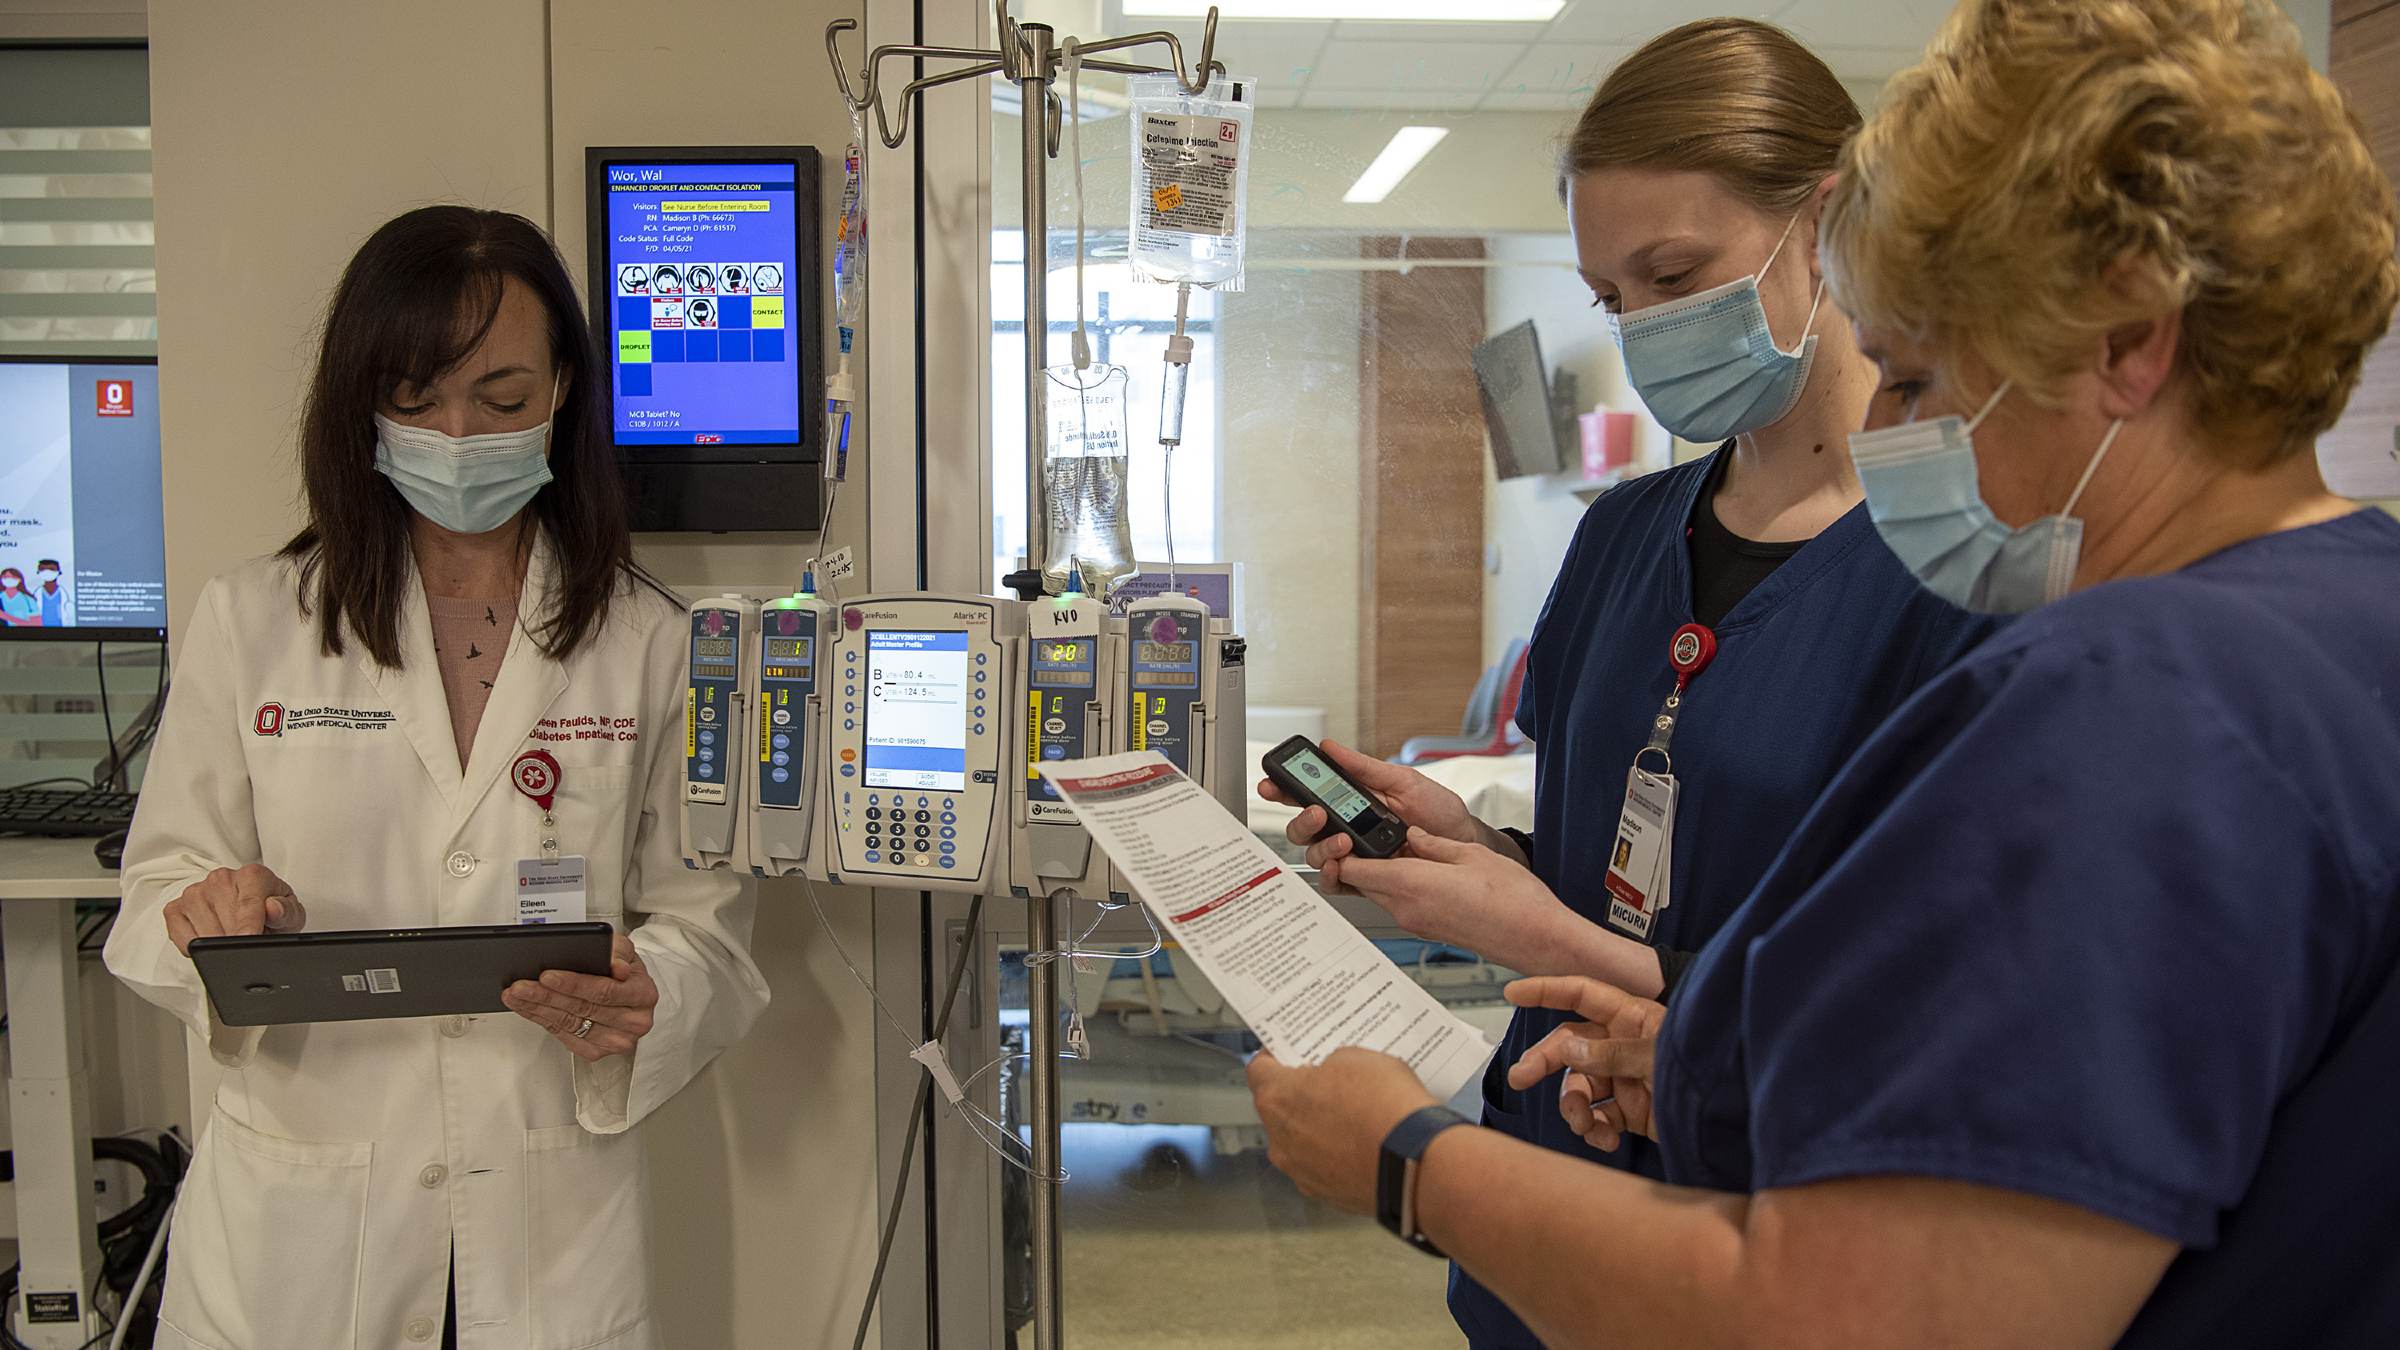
(1171, 1247)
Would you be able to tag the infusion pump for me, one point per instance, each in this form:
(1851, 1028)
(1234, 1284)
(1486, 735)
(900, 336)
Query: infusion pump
(897, 740)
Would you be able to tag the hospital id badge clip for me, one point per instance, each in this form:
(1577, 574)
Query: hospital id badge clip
(1641, 869)
(550, 889)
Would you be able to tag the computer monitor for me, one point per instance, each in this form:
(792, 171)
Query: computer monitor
(80, 496)
(1516, 404)
(703, 281)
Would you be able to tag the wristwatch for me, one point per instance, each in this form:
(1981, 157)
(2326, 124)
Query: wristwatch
(1396, 1173)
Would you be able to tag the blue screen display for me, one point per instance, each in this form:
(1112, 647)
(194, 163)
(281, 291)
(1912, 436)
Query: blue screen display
(702, 266)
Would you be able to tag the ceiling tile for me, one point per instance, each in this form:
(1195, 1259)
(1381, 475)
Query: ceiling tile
(1391, 100)
(1634, 22)
(1411, 66)
(1905, 24)
(1556, 100)
(1550, 67)
(1865, 23)
(1273, 52)
(1357, 30)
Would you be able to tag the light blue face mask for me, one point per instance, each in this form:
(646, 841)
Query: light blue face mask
(466, 484)
(1927, 502)
(1707, 365)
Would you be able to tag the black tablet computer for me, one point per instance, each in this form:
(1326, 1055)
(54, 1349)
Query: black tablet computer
(270, 979)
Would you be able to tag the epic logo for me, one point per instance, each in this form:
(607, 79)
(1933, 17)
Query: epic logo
(269, 721)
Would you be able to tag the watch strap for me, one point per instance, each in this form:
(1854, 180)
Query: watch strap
(1396, 1172)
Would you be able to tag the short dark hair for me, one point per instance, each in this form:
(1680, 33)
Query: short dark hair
(48, 562)
(416, 300)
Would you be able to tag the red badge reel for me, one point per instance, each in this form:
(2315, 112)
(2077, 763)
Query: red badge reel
(1694, 646)
(1688, 653)
(537, 775)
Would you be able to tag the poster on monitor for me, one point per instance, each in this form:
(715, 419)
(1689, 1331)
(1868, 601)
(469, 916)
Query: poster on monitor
(82, 518)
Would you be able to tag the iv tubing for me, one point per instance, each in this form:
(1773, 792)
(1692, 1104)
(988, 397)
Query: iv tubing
(1170, 415)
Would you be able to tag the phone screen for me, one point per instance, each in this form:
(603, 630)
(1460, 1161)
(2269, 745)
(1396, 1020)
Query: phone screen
(1335, 792)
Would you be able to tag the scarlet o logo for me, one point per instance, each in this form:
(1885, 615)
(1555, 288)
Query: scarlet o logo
(534, 778)
(269, 721)
(1687, 649)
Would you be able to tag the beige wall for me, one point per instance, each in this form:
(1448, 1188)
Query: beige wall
(1528, 522)
(286, 131)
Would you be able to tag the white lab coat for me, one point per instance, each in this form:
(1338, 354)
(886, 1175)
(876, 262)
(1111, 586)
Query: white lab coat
(342, 1161)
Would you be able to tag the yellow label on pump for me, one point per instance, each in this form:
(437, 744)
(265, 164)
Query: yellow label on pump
(1141, 721)
(1033, 739)
(691, 721)
(766, 725)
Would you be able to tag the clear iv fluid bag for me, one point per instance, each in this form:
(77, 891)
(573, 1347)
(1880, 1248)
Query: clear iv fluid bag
(1084, 472)
(1191, 180)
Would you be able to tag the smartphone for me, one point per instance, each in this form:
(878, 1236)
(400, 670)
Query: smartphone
(1308, 777)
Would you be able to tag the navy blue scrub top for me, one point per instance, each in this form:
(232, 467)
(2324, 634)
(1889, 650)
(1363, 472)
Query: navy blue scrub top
(1807, 664)
(2109, 913)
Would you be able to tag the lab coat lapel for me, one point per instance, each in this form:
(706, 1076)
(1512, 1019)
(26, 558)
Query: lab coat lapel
(529, 683)
(414, 691)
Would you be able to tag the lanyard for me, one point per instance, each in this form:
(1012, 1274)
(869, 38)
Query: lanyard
(1688, 653)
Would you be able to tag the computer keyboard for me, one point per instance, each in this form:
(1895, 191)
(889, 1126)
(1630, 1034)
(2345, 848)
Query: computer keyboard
(64, 812)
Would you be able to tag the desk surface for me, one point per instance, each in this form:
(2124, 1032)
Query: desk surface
(53, 869)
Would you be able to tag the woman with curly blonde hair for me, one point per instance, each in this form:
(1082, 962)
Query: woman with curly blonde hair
(2070, 1015)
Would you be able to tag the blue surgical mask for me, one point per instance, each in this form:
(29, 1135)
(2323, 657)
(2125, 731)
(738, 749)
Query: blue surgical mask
(467, 484)
(1707, 365)
(1927, 502)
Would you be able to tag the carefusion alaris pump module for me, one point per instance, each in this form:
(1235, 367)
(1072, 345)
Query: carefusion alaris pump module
(723, 629)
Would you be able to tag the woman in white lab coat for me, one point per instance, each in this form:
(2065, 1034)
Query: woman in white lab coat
(332, 758)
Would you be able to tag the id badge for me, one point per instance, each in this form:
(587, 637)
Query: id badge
(1638, 866)
(550, 890)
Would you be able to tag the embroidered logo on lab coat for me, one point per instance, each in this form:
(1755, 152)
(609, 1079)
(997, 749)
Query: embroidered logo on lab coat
(273, 719)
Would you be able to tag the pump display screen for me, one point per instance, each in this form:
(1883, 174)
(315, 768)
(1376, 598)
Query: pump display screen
(717, 648)
(1165, 654)
(916, 726)
(1333, 790)
(1065, 662)
(795, 650)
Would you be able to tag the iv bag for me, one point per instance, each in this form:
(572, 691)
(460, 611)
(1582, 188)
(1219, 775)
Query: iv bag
(850, 247)
(1084, 470)
(1191, 180)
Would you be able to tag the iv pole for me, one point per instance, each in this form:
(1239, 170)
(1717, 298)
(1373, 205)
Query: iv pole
(1029, 56)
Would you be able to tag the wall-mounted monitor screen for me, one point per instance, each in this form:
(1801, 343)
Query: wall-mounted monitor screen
(704, 271)
(83, 552)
